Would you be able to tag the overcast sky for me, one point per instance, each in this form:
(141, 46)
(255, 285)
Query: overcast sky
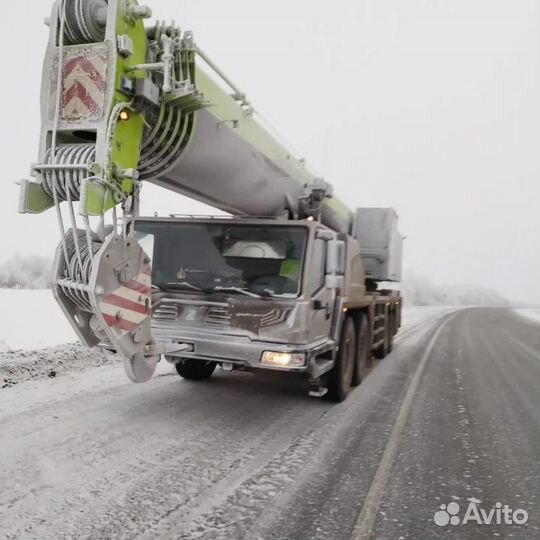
(430, 106)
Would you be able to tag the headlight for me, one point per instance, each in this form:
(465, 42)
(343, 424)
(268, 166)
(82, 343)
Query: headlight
(281, 359)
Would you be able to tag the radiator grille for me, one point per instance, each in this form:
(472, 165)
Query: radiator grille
(218, 316)
(166, 312)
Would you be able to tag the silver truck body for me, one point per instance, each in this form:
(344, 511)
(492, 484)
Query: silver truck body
(124, 103)
(235, 329)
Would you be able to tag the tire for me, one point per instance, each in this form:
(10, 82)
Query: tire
(195, 370)
(341, 375)
(363, 363)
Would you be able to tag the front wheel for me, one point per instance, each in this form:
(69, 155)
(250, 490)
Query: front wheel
(341, 375)
(195, 370)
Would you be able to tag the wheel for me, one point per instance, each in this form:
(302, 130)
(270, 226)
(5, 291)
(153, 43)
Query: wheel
(340, 377)
(363, 354)
(195, 370)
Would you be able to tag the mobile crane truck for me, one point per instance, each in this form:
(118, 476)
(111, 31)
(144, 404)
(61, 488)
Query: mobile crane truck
(287, 281)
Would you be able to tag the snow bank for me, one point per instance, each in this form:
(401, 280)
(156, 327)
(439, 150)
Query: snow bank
(533, 314)
(37, 342)
(20, 366)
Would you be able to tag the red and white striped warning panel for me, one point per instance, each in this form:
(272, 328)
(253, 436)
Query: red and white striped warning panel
(126, 308)
(83, 85)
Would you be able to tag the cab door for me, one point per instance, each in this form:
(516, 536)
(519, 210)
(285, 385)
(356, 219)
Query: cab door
(322, 298)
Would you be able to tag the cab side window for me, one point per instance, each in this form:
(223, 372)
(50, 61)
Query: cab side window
(318, 267)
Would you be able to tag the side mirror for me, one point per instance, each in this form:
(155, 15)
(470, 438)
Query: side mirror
(335, 258)
(334, 282)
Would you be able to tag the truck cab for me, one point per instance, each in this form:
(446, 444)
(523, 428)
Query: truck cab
(259, 294)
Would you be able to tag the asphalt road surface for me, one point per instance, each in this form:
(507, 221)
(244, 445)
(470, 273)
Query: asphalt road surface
(443, 429)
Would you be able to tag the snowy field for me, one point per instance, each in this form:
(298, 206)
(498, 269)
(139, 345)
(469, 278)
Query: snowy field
(532, 314)
(31, 319)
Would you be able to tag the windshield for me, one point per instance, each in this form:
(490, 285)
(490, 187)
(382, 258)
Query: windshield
(258, 259)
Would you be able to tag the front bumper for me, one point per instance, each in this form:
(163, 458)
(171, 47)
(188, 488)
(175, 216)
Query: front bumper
(242, 351)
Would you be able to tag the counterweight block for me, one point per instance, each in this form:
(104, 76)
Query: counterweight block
(108, 300)
(121, 299)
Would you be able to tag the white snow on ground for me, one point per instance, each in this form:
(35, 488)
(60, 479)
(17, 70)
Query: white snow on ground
(532, 314)
(20, 366)
(31, 319)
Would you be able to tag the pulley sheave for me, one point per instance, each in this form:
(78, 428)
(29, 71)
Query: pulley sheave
(86, 21)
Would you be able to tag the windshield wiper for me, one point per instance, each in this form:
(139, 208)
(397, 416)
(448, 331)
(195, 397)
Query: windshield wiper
(188, 285)
(180, 284)
(236, 289)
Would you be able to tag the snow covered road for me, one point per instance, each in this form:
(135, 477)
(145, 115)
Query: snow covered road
(88, 455)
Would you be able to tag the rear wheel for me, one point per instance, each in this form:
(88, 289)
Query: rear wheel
(195, 370)
(363, 354)
(341, 376)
